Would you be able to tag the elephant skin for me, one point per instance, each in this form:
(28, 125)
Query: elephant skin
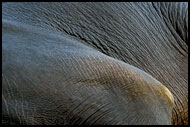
(94, 63)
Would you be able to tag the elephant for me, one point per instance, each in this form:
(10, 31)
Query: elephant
(95, 63)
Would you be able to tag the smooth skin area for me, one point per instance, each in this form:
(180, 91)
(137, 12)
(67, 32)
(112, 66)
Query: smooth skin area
(94, 63)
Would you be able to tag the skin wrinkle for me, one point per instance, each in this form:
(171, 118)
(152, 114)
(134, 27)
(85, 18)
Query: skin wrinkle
(87, 108)
(80, 114)
(78, 106)
(87, 119)
(182, 92)
(5, 104)
(175, 119)
(22, 107)
(174, 24)
(164, 75)
(8, 90)
(100, 116)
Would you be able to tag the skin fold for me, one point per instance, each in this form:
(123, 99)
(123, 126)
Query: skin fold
(95, 63)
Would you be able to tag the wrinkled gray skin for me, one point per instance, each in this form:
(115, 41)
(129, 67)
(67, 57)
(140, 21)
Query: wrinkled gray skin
(94, 63)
